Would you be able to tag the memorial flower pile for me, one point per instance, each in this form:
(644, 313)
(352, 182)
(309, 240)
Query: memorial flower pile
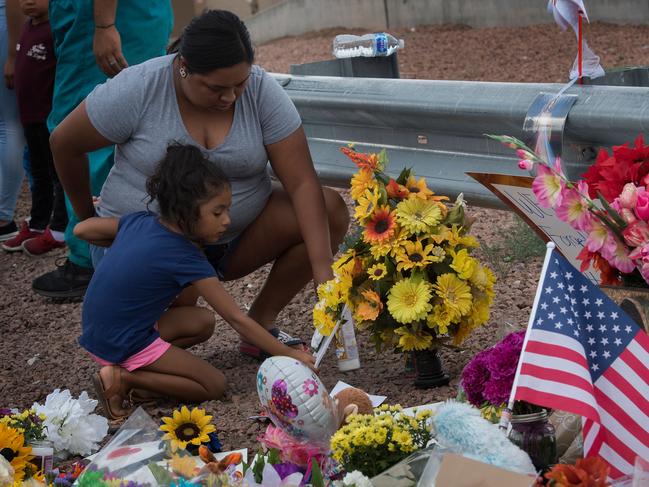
(407, 273)
(610, 204)
(371, 444)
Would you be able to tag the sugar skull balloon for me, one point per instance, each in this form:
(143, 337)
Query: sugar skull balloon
(296, 400)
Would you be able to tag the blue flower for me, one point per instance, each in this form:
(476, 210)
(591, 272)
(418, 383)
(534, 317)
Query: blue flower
(214, 444)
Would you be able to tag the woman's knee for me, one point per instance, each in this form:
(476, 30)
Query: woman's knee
(337, 214)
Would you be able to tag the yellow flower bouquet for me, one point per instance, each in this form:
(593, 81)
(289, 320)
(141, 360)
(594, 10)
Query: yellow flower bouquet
(406, 272)
(373, 443)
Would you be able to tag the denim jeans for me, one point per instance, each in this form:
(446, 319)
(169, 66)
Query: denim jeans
(11, 136)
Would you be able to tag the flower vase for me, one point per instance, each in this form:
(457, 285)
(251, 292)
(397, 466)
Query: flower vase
(428, 369)
(535, 435)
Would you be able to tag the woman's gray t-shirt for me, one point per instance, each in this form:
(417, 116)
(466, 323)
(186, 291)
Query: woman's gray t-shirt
(138, 111)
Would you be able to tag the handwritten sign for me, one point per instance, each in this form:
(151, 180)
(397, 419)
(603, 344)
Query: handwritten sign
(516, 193)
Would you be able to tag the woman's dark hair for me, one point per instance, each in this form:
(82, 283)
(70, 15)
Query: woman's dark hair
(183, 181)
(215, 39)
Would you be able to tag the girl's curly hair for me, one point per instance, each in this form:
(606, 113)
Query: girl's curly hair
(183, 180)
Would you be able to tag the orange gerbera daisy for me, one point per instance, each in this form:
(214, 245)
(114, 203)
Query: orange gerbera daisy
(369, 308)
(381, 226)
(396, 190)
(363, 161)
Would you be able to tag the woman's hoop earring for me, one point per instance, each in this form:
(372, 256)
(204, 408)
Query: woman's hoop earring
(183, 72)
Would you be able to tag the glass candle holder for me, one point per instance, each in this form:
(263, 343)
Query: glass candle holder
(535, 435)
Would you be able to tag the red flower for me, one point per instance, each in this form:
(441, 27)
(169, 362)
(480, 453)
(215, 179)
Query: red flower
(587, 472)
(608, 274)
(396, 190)
(363, 161)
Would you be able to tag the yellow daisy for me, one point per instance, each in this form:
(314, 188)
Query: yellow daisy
(409, 300)
(482, 278)
(413, 255)
(409, 341)
(187, 427)
(322, 320)
(362, 181)
(441, 318)
(367, 203)
(456, 237)
(377, 271)
(463, 264)
(417, 215)
(14, 450)
(455, 293)
(417, 189)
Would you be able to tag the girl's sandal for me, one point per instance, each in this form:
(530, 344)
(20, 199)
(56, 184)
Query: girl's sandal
(103, 395)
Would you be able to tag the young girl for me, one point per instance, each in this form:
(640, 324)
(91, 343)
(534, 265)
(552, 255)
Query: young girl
(134, 321)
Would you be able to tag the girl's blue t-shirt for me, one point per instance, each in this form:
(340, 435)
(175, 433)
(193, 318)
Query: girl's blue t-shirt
(143, 271)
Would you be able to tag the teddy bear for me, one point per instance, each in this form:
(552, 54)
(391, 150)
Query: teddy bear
(352, 401)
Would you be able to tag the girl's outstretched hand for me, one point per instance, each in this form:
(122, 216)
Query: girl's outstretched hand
(306, 358)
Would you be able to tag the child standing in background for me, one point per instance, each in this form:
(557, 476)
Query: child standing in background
(34, 84)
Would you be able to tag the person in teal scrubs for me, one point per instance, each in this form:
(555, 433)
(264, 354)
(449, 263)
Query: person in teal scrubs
(93, 40)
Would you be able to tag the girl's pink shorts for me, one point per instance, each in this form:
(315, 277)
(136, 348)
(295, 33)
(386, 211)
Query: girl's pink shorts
(141, 359)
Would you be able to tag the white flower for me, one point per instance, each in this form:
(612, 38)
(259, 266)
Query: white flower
(69, 424)
(6, 473)
(356, 479)
(270, 478)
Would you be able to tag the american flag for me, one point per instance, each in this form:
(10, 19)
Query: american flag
(584, 355)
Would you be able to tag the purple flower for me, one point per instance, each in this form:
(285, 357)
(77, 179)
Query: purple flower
(503, 358)
(286, 469)
(5, 412)
(497, 392)
(474, 377)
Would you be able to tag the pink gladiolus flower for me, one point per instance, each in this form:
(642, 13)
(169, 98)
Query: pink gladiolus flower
(548, 186)
(642, 204)
(629, 196)
(617, 255)
(574, 208)
(525, 164)
(628, 216)
(641, 257)
(597, 236)
(636, 234)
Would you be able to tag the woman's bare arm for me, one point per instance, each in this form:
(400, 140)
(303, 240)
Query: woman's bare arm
(71, 140)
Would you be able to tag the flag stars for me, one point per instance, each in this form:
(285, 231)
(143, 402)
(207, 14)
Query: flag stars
(568, 275)
(595, 367)
(591, 341)
(575, 332)
(602, 328)
(548, 290)
(544, 306)
(563, 310)
(539, 321)
(593, 354)
(571, 288)
(585, 301)
(617, 341)
(601, 315)
(583, 288)
(553, 275)
(614, 315)
(570, 321)
(587, 315)
(551, 315)
(599, 301)
(604, 341)
(560, 285)
(573, 301)
(616, 328)
(589, 327)
(558, 325)
(566, 297)
(555, 300)
(628, 329)
(606, 354)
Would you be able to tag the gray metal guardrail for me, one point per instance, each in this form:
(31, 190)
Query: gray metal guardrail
(438, 127)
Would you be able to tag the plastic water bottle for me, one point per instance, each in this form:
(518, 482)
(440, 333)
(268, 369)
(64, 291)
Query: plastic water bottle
(368, 45)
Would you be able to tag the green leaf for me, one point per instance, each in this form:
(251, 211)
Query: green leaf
(258, 467)
(404, 175)
(317, 480)
(162, 476)
(273, 456)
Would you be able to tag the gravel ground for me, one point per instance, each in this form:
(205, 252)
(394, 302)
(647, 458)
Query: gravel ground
(38, 348)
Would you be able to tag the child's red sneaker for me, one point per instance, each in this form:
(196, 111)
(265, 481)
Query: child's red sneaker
(43, 243)
(16, 243)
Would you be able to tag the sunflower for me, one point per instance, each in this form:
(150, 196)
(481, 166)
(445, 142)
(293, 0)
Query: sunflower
(377, 271)
(367, 203)
(361, 182)
(369, 308)
(14, 450)
(418, 189)
(455, 293)
(417, 215)
(380, 227)
(187, 428)
(409, 341)
(409, 300)
(413, 255)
